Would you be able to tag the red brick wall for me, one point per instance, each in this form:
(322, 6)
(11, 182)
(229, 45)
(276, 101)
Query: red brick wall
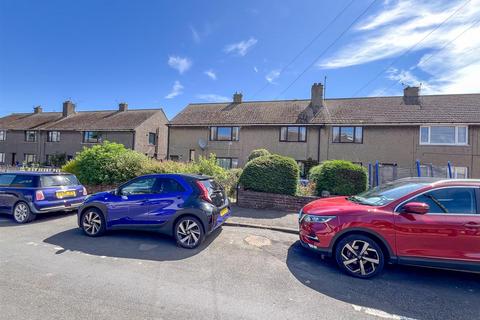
(263, 200)
(100, 188)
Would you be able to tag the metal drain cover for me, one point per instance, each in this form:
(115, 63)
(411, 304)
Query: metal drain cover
(258, 241)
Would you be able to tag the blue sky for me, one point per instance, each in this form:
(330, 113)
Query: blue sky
(170, 53)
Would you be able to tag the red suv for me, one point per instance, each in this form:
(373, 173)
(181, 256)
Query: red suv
(414, 221)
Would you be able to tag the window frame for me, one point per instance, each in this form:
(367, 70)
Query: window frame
(456, 143)
(50, 135)
(3, 157)
(150, 134)
(27, 134)
(98, 140)
(213, 135)
(298, 134)
(354, 134)
(231, 159)
(477, 201)
(25, 155)
(3, 135)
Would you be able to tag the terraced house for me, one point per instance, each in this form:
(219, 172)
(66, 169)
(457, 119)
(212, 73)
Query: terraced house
(35, 137)
(395, 130)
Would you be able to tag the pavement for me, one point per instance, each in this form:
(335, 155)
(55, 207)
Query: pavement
(276, 220)
(50, 270)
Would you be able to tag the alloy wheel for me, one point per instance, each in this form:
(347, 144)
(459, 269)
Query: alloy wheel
(359, 257)
(21, 212)
(92, 223)
(188, 232)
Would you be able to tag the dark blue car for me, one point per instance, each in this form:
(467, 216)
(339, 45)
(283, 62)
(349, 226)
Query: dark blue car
(26, 194)
(188, 207)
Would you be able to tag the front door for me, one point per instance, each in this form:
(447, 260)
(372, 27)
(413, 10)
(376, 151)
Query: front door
(450, 230)
(14, 159)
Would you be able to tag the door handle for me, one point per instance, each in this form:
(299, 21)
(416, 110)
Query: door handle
(472, 225)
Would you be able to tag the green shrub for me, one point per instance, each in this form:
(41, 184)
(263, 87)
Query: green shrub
(339, 177)
(258, 153)
(106, 163)
(230, 181)
(271, 173)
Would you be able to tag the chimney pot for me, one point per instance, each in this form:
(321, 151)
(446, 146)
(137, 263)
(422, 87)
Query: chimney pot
(38, 109)
(411, 95)
(122, 106)
(68, 108)
(237, 97)
(317, 95)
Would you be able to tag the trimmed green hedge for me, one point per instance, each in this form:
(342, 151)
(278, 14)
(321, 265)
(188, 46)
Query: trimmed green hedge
(339, 177)
(272, 173)
(258, 153)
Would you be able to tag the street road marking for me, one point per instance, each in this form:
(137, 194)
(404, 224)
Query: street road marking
(379, 313)
(146, 247)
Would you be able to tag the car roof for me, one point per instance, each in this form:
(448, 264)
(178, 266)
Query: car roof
(435, 181)
(36, 173)
(183, 175)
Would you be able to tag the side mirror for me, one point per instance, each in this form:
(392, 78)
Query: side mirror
(416, 207)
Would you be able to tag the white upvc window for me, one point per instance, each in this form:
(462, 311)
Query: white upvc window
(3, 135)
(444, 135)
(459, 173)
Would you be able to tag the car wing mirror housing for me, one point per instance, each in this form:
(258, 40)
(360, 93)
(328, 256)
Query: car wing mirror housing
(416, 208)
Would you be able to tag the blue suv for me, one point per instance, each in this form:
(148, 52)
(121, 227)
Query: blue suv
(188, 207)
(26, 194)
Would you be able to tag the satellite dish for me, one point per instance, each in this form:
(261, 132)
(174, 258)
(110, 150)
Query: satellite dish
(202, 143)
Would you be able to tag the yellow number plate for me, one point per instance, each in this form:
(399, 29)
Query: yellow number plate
(224, 211)
(65, 194)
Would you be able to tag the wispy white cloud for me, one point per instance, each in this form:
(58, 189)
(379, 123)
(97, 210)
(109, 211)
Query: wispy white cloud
(211, 74)
(181, 64)
(177, 90)
(241, 48)
(401, 24)
(195, 35)
(211, 97)
(255, 69)
(272, 75)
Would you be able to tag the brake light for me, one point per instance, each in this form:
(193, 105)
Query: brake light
(204, 192)
(39, 196)
(85, 191)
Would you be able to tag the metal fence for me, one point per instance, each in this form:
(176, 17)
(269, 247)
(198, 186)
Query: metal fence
(8, 168)
(382, 173)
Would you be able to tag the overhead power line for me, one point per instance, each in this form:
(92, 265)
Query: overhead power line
(318, 35)
(438, 51)
(328, 48)
(408, 50)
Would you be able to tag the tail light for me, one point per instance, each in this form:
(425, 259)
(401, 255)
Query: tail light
(39, 196)
(85, 191)
(204, 192)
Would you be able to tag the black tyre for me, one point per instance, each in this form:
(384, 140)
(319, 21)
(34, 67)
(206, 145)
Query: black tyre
(22, 213)
(92, 222)
(188, 232)
(359, 256)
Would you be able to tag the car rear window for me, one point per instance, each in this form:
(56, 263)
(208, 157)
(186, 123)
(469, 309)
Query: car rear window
(58, 180)
(211, 185)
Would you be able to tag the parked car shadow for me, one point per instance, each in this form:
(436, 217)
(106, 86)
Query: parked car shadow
(411, 292)
(6, 220)
(129, 244)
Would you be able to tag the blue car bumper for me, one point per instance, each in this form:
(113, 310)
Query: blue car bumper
(57, 205)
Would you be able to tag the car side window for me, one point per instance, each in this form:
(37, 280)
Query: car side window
(169, 186)
(23, 181)
(139, 186)
(6, 179)
(450, 200)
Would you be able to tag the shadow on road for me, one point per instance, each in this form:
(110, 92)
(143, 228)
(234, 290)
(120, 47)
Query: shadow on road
(128, 244)
(6, 220)
(412, 292)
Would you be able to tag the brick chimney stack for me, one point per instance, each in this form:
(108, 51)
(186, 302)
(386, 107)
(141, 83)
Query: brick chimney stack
(411, 95)
(317, 95)
(38, 109)
(122, 106)
(237, 97)
(68, 108)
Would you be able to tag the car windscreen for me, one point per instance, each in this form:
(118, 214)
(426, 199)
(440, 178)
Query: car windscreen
(386, 193)
(58, 180)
